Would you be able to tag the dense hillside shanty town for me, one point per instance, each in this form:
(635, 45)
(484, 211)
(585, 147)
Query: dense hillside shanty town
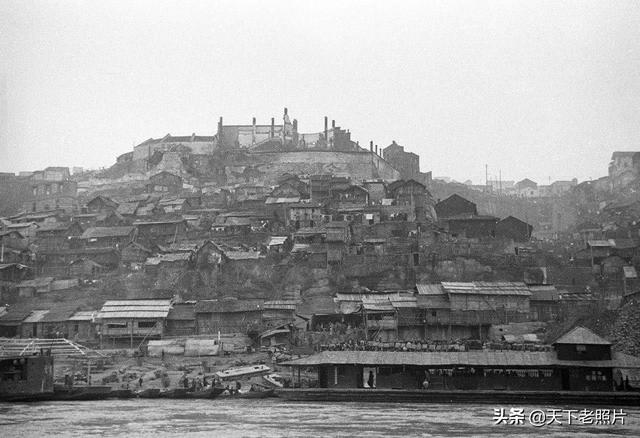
(271, 238)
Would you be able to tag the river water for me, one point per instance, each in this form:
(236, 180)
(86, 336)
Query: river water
(276, 418)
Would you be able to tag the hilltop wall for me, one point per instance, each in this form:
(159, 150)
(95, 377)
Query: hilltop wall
(357, 165)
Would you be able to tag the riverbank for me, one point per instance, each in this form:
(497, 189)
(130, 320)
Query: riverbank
(121, 369)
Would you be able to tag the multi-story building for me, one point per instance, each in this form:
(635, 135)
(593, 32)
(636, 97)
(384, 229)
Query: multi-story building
(51, 189)
(624, 168)
(407, 163)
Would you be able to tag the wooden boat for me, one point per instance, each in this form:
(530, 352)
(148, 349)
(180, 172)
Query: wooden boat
(242, 372)
(174, 393)
(149, 393)
(206, 393)
(81, 393)
(274, 380)
(257, 394)
(121, 393)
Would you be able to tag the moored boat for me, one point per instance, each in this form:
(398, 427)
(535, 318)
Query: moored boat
(81, 393)
(580, 369)
(174, 393)
(121, 393)
(205, 393)
(26, 378)
(149, 393)
(257, 394)
(243, 372)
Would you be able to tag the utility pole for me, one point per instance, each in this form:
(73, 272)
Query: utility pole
(486, 176)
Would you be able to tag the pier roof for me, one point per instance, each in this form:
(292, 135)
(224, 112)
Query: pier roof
(581, 335)
(503, 358)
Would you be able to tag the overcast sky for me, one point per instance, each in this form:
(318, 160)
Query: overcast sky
(536, 89)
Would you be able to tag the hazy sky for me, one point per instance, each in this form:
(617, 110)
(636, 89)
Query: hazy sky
(536, 89)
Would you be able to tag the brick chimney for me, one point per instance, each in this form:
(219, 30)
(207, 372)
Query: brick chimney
(371, 145)
(220, 132)
(326, 129)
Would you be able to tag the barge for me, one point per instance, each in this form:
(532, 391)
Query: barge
(581, 369)
(460, 396)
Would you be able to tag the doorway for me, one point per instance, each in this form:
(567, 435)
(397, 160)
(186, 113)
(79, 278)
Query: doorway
(565, 379)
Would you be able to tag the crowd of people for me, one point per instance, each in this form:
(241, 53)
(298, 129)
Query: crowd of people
(363, 345)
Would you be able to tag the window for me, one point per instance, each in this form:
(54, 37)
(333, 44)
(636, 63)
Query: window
(146, 324)
(581, 348)
(117, 325)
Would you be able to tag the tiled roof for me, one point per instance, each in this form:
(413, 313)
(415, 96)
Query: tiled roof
(272, 200)
(430, 289)
(168, 258)
(56, 226)
(98, 232)
(36, 316)
(127, 208)
(242, 255)
(224, 306)
(182, 312)
(581, 335)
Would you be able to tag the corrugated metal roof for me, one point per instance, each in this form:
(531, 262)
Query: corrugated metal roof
(136, 315)
(36, 316)
(503, 358)
(430, 289)
(292, 200)
(314, 248)
(228, 305)
(135, 309)
(544, 293)
(623, 243)
(433, 302)
(83, 315)
(277, 240)
(13, 316)
(281, 305)
(577, 297)
(599, 243)
(487, 288)
(138, 303)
